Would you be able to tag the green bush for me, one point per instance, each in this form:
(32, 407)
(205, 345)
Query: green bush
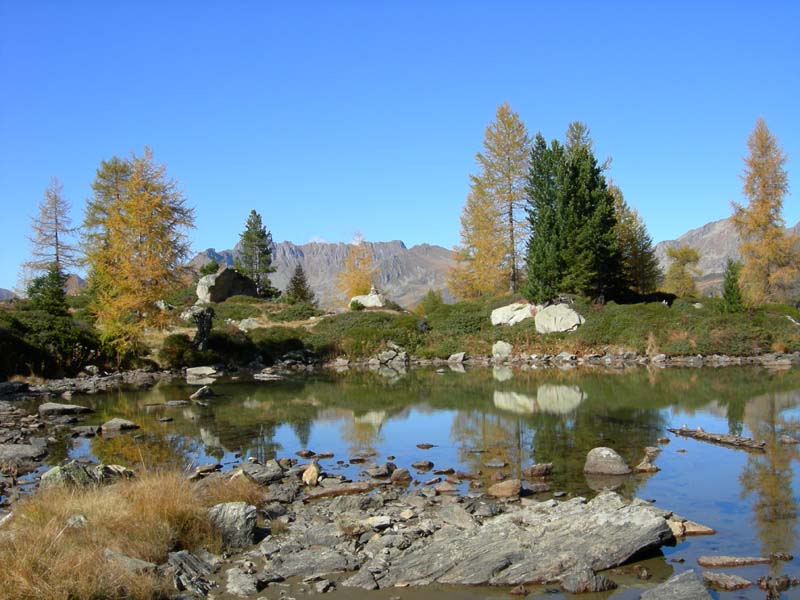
(274, 342)
(236, 310)
(356, 305)
(232, 345)
(463, 318)
(361, 334)
(296, 312)
(177, 352)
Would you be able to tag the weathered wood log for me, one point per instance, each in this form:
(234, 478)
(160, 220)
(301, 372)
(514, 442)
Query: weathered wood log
(735, 441)
(190, 573)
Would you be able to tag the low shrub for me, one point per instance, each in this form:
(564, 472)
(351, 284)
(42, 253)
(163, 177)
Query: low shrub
(235, 310)
(273, 342)
(177, 351)
(296, 312)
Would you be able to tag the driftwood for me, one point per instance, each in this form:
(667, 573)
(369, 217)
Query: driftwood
(724, 439)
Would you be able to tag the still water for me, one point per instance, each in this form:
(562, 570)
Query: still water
(521, 417)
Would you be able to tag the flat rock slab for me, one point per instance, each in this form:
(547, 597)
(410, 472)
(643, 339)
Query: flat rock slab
(685, 586)
(343, 489)
(536, 544)
(719, 562)
(15, 452)
(117, 424)
(724, 581)
(49, 409)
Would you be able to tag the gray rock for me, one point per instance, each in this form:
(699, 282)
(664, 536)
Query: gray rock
(502, 349)
(263, 474)
(538, 543)
(130, 564)
(314, 562)
(191, 573)
(605, 461)
(21, 452)
(224, 284)
(457, 358)
(372, 300)
(582, 580)
(249, 324)
(203, 392)
(236, 522)
(685, 586)
(118, 424)
(75, 473)
(201, 372)
(239, 582)
(49, 409)
(557, 318)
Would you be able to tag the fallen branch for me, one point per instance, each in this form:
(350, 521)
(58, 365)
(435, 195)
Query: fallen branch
(723, 439)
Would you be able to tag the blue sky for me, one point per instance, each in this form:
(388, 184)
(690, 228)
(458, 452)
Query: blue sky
(333, 117)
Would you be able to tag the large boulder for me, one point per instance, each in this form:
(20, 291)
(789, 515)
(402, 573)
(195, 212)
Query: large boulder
(372, 300)
(77, 474)
(236, 522)
(512, 313)
(557, 318)
(605, 461)
(220, 286)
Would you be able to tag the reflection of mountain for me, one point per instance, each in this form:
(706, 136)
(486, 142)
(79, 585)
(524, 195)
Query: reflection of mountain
(550, 398)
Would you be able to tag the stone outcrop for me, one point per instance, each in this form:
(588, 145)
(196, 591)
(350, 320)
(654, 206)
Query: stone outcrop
(236, 522)
(605, 461)
(372, 300)
(76, 474)
(512, 313)
(220, 286)
(502, 350)
(48, 409)
(557, 318)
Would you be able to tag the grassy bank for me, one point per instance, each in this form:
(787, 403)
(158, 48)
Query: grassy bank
(685, 328)
(43, 556)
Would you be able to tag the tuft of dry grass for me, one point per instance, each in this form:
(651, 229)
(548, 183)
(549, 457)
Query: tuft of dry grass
(145, 518)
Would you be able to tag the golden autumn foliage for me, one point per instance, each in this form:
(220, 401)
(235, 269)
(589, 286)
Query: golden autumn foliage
(479, 259)
(681, 273)
(358, 271)
(140, 246)
(494, 227)
(770, 257)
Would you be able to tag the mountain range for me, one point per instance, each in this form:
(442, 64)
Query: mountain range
(406, 274)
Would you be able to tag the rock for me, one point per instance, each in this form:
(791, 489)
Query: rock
(249, 324)
(538, 543)
(21, 452)
(684, 586)
(378, 523)
(495, 463)
(262, 474)
(117, 424)
(130, 564)
(372, 300)
(605, 461)
(400, 476)
(201, 372)
(512, 313)
(457, 358)
(236, 522)
(305, 453)
(775, 585)
(426, 446)
(557, 318)
(788, 440)
(692, 528)
(582, 579)
(501, 349)
(724, 581)
(323, 586)
(342, 489)
(646, 467)
(203, 392)
(85, 430)
(77, 522)
(445, 488)
(241, 582)
(49, 409)
(422, 465)
(191, 573)
(505, 489)
(453, 514)
(75, 473)
(719, 562)
(538, 470)
(381, 471)
(311, 474)
(224, 284)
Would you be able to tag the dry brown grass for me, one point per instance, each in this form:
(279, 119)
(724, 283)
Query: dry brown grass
(144, 518)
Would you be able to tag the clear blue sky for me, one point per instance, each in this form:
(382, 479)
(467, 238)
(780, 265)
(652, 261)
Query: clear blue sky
(332, 117)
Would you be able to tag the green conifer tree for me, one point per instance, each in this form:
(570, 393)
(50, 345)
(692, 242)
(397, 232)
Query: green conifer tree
(731, 290)
(255, 255)
(298, 290)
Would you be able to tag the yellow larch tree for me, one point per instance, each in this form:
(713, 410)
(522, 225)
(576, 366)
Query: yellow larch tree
(770, 256)
(682, 271)
(144, 246)
(479, 268)
(358, 271)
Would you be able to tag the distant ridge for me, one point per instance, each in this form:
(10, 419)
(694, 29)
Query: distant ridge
(6, 295)
(717, 241)
(404, 274)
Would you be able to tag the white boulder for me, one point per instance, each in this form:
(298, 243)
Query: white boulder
(512, 313)
(372, 300)
(557, 318)
(502, 349)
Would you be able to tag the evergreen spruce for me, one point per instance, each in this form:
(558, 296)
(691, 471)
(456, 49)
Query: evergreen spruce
(46, 292)
(731, 291)
(255, 255)
(640, 271)
(210, 268)
(298, 290)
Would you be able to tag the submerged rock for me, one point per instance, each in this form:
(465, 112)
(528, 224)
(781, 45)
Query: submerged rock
(605, 461)
(685, 586)
(49, 409)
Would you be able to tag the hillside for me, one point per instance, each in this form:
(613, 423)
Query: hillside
(405, 274)
(6, 294)
(717, 242)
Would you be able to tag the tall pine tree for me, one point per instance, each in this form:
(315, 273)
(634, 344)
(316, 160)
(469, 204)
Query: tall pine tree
(52, 232)
(255, 255)
(640, 271)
